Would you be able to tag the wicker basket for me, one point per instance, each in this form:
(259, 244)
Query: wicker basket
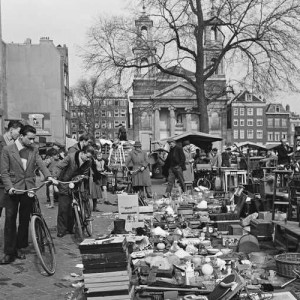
(286, 263)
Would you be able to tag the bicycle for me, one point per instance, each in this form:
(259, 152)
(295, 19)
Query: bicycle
(81, 208)
(41, 236)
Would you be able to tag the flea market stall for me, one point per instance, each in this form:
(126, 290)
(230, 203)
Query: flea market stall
(207, 244)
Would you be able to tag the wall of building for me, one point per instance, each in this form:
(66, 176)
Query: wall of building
(34, 79)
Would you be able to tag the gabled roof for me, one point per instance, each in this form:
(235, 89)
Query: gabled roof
(271, 108)
(241, 97)
(180, 89)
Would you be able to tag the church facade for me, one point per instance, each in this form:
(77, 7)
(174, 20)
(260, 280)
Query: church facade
(166, 105)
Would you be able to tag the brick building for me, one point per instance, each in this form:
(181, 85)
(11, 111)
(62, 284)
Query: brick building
(247, 119)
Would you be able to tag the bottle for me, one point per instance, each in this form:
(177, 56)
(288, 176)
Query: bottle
(189, 272)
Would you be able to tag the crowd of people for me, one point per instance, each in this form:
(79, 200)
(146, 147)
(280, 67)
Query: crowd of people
(20, 157)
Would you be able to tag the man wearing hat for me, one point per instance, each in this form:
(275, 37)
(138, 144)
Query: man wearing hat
(175, 163)
(226, 157)
(141, 178)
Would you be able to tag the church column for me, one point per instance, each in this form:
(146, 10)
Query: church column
(172, 120)
(188, 118)
(156, 124)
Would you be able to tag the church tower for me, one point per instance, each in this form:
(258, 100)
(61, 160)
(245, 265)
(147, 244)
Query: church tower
(144, 51)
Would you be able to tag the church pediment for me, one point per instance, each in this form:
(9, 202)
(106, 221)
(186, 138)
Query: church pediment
(176, 91)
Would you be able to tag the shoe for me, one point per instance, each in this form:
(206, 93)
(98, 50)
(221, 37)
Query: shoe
(7, 259)
(50, 206)
(20, 254)
(60, 235)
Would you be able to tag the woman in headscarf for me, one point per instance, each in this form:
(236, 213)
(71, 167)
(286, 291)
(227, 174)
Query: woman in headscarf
(188, 174)
(139, 160)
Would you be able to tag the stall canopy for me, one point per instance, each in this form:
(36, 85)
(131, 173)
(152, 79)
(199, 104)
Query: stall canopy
(272, 146)
(199, 139)
(250, 145)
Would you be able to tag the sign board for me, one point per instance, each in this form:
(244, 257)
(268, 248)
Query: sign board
(128, 204)
(38, 121)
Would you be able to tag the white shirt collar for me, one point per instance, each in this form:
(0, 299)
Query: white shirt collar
(19, 145)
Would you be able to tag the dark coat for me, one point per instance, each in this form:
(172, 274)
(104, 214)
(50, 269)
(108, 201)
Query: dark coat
(68, 168)
(283, 152)
(175, 157)
(2, 194)
(12, 171)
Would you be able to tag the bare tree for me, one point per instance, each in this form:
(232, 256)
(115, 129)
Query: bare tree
(260, 41)
(88, 97)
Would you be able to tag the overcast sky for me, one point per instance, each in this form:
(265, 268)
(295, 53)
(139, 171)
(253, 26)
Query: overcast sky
(66, 22)
(63, 21)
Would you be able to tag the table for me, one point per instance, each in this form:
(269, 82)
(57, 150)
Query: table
(227, 172)
(287, 233)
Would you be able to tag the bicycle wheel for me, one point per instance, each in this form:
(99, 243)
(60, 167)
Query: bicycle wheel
(43, 244)
(78, 225)
(87, 213)
(204, 182)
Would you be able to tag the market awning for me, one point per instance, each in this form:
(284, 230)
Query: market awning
(272, 146)
(250, 145)
(195, 137)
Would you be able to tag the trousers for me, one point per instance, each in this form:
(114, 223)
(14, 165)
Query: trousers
(16, 239)
(175, 172)
(65, 217)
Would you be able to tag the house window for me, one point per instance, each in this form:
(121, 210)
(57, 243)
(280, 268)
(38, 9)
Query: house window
(259, 122)
(103, 113)
(103, 125)
(248, 97)
(270, 123)
(259, 134)
(259, 111)
(116, 124)
(250, 111)
(242, 134)
(242, 122)
(283, 123)
(116, 113)
(277, 108)
(250, 134)
(123, 113)
(235, 122)
(250, 122)
(109, 114)
(277, 136)
(109, 125)
(284, 135)
(242, 111)
(235, 134)
(117, 102)
(277, 123)
(235, 111)
(270, 136)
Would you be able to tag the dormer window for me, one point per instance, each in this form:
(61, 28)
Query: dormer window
(248, 97)
(213, 34)
(277, 108)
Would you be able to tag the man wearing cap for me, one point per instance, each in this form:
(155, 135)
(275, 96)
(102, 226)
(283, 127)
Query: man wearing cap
(175, 163)
(215, 159)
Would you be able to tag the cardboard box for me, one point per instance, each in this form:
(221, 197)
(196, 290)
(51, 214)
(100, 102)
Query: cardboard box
(235, 229)
(128, 204)
(265, 215)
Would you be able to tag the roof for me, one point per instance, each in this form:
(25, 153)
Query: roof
(250, 145)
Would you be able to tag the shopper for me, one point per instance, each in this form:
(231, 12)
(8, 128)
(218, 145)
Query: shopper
(141, 173)
(76, 163)
(175, 163)
(18, 163)
(188, 174)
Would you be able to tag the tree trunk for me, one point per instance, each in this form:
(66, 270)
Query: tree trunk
(202, 108)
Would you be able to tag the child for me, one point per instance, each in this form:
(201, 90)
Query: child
(101, 167)
(51, 189)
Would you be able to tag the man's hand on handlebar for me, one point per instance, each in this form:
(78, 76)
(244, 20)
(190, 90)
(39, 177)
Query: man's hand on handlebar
(12, 191)
(53, 181)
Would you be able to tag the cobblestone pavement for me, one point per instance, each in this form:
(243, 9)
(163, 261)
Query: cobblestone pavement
(23, 280)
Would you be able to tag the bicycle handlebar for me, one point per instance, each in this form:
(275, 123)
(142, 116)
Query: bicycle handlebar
(80, 178)
(32, 190)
